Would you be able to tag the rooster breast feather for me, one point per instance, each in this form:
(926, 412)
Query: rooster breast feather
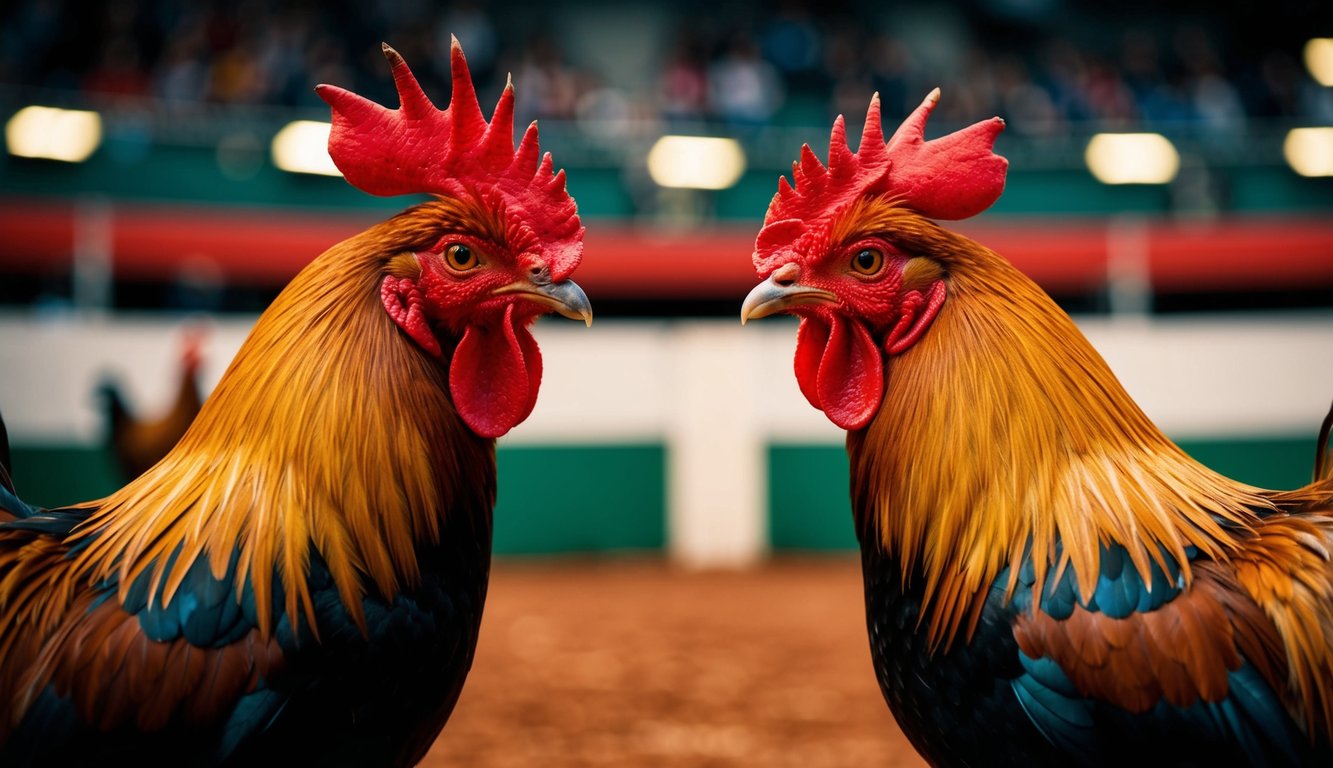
(90, 662)
(95, 667)
(1235, 654)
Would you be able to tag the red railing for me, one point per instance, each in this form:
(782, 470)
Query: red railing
(260, 247)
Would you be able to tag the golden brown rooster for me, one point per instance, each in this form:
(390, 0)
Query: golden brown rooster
(138, 442)
(1048, 578)
(300, 580)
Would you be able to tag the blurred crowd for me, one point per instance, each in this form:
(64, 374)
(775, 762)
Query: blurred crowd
(796, 63)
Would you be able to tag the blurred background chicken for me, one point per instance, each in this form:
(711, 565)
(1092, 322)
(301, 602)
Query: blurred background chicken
(301, 578)
(138, 439)
(1048, 578)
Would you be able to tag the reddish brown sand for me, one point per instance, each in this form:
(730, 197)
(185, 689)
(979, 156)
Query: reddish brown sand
(640, 664)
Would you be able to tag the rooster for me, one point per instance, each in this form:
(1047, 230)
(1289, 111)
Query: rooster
(300, 580)
(138, 443)
(1048, 578)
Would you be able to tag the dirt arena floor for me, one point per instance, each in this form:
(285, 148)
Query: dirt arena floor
(640, 664)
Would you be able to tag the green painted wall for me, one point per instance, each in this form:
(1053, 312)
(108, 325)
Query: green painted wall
(51, 476)
(581, 499)
(551, 500)
(1280, 463)
(808, 496)
(811, 509)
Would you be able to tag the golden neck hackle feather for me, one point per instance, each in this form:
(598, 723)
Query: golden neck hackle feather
(328, 429)
(1003, 426)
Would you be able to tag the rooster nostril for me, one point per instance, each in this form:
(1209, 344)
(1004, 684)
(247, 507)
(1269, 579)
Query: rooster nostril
(785, 276)
(539, 274)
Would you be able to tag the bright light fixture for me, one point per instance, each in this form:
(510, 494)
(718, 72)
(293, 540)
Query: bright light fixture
(1309, 151)
(302, 146)
(1132, 158)
(69, 135)
(696, 162)
(1319, 59)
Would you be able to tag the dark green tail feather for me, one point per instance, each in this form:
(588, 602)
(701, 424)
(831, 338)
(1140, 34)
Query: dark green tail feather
(1323, 467)
(6, 461)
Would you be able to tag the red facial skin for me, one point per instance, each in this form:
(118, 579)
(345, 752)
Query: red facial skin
(485, 302)
(846, 334)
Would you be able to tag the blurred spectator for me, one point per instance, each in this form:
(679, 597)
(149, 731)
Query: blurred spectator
(472, 25)
(117, 71)
(743, 88)
(237, 77)
(602, 110)
(1029, 107)
(1064, 73)
(844, 61)
(182, 75)
(891, 74)
(683, 83)
(1046, 67)
(790, 41)
(549, 88)
(1108, 96)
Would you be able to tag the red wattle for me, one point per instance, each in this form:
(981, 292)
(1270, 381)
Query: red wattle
(532, 356)
(811, 339)
(840, 370)
(494, 376)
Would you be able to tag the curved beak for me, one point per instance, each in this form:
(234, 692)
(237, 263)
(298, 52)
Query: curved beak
(776, 295)
(564, 297)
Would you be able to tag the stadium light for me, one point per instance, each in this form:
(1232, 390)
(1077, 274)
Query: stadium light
(302, 146)
(696, 162)
(1309, 151)
(1132, 158)
(1319, 60)
(68, 135)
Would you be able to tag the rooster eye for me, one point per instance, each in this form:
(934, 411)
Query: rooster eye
(460, 257)
(867, 261)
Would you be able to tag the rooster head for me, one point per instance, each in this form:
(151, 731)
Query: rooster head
(504, 235)
(834, 251)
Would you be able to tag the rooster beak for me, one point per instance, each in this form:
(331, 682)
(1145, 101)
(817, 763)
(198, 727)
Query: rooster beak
(564, 297)
(779, 293)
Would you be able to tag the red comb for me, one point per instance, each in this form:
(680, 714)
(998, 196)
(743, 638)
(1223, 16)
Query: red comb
(952, 177)
(421, 149)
